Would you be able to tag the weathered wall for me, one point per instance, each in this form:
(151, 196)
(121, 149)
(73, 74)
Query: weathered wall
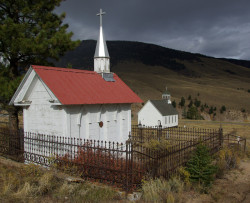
(41, 116)
(83, 121)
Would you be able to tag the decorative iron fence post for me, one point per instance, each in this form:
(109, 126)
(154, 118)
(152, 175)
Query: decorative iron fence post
(159, 131)
(221, 136)
(131, 164)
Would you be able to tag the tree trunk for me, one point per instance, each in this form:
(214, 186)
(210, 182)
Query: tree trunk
(13, 110)
(13, 119)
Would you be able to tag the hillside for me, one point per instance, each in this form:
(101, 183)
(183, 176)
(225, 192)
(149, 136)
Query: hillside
(149, 68)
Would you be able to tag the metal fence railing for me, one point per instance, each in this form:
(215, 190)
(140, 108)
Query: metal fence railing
(123, 164)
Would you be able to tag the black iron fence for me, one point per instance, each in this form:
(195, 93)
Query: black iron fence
(122, 164)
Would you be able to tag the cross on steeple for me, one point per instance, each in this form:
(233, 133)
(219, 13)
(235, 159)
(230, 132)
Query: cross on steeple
(100, 14)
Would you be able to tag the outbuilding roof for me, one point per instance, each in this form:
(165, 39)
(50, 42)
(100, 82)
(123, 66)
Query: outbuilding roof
(164, 108)
(73, 86)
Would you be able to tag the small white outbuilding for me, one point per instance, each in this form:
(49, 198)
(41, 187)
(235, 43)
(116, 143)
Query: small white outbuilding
(156, 112)
(77, 103)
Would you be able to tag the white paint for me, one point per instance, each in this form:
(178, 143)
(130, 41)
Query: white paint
(76, 121)
(149, 116)
(115, 118)
(41, 116)
(101, 65)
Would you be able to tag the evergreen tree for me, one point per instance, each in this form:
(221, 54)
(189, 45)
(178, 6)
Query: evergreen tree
(190, 104)
(211, 110)
(30, 33)
(193, 113)
(174, 104)
(182, 102)
(200, 166)
(189, 97)
(202, 108)
(197, 103)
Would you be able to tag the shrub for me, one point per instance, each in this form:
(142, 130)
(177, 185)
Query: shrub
(160, 190)
(226, 159)
(200, 166)
(157, 145)
(184, 175)
(99, 163)
(243, 110)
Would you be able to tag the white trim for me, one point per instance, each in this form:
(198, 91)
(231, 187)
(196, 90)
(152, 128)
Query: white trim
(16, 94)
(24, 87)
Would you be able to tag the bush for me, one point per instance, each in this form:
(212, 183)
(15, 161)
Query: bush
(99, 163)
(243, 110)
(226, 159)
(184, 175)
(161, 190)
(156, 145)
(200, 167)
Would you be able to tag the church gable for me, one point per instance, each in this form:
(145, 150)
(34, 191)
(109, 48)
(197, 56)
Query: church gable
(31, 89)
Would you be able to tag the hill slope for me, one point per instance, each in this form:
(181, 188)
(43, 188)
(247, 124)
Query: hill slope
(149, 68)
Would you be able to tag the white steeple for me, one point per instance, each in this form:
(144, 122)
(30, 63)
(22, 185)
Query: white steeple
(166, 95)
(101, 58)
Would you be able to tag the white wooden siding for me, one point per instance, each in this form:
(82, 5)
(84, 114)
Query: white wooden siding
(149, 116)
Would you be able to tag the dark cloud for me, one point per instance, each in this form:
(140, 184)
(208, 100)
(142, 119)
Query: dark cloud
(219, 28)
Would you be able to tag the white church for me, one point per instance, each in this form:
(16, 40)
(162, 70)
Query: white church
(159, 112)
(77, 103)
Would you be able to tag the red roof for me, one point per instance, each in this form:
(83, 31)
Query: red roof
(73, 86)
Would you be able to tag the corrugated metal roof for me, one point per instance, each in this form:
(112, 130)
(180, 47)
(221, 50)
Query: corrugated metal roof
(164, 108)
(73, 86)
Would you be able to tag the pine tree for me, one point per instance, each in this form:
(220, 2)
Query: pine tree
(200, 166)
(182, 102)
(30, 33)
(174, 104)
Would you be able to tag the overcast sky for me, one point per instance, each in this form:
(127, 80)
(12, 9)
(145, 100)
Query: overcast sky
(219, 28)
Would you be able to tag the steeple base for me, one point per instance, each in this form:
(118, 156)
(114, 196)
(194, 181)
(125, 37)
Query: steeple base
(101, 65)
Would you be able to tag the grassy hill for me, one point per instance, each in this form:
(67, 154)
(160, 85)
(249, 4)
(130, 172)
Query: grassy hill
(149, 68)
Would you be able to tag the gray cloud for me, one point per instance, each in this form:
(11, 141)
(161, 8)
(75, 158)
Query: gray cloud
(219, 28)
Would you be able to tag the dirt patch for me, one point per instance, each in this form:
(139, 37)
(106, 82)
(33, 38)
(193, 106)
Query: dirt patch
(233, 187)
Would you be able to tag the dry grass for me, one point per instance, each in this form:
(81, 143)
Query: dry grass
(30, 183)
(215, 86)
(237, 128)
